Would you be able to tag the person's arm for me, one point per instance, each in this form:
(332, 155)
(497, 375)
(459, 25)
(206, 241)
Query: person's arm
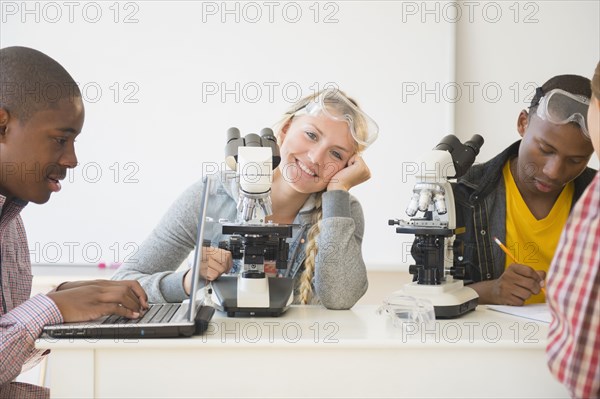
(165, 249)
(83, 301)
(19, 330)
(340, 272)
(573, 288)
(513, 287)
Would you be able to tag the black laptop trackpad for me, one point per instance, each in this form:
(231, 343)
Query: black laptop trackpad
(203, 317)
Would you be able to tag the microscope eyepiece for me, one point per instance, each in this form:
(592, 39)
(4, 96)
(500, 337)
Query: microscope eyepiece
(233, 133)
(267, 134)
(270, 140)
(475, 143)
(252, 140)
(463, 155)
(448, 143)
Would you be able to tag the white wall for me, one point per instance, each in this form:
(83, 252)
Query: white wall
(396, 58)
(505, 61)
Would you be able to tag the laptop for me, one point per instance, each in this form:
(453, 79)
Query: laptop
(162, 320)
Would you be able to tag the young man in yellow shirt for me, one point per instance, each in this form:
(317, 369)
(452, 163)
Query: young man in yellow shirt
(523, 196)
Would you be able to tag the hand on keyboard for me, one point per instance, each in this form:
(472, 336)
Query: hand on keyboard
(89, 300)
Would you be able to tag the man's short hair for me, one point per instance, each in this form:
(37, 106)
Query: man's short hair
(30, 82)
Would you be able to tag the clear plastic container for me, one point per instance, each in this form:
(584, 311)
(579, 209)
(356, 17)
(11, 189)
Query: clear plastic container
(403, 308)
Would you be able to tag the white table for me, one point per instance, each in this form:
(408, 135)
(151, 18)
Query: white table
(311, 351)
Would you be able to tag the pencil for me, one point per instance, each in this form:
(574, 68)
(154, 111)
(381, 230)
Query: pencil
(507, 252)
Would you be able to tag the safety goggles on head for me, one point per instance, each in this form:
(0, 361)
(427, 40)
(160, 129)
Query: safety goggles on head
(561, 107)
(335, 105)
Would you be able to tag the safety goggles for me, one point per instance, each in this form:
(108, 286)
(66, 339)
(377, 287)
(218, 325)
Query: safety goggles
(561, 107)
(335, 105)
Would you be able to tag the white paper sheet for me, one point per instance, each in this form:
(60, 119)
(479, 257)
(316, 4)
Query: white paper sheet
(534, 311)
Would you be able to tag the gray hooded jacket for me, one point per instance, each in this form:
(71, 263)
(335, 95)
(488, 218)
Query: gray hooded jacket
(340, 275)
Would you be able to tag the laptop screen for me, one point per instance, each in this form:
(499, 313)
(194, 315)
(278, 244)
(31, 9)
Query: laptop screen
(196, 277)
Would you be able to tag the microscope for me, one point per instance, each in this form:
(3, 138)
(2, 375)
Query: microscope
(437, 255)
(256, 290)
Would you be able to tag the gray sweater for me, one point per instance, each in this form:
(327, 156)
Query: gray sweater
(340, 275)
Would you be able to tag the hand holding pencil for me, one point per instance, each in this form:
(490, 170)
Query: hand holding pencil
(510, 255)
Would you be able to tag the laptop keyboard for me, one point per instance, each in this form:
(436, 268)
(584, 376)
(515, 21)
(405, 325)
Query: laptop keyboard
(157, 313)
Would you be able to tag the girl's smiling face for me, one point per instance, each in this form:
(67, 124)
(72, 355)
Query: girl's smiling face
(313, 149)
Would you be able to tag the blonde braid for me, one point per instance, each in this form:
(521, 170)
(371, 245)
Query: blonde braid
(306, 279)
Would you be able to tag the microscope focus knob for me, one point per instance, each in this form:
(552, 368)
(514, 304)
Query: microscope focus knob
(458, 272)
(233, 245)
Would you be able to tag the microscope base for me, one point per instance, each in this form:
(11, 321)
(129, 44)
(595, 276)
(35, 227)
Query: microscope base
(269, 296)
(450, 299)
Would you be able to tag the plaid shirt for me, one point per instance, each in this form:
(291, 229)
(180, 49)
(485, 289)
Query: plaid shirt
(573, 287)
(21, 318)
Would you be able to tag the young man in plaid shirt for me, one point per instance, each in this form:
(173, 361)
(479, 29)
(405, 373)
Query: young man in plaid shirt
(573, 284)
(41, 114)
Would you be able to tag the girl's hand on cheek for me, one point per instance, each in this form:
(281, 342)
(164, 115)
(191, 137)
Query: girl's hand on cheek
(355, 173)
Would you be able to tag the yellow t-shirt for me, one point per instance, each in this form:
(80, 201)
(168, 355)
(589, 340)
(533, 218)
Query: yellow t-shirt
(533, 241)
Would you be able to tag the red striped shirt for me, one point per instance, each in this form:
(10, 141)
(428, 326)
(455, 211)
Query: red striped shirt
(21, 318)
(573, 288)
